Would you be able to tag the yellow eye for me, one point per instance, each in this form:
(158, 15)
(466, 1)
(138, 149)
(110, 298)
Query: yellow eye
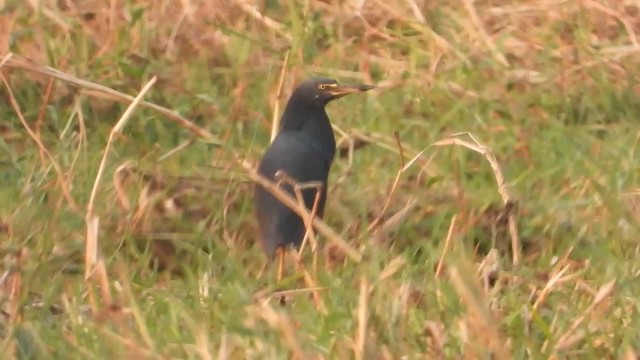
(322, 86)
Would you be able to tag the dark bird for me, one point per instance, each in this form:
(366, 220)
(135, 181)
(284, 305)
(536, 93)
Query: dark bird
(304, 150)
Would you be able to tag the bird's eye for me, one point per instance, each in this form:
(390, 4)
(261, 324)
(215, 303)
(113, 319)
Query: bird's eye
(322, 86)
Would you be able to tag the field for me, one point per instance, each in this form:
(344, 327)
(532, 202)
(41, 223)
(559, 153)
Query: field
(127, 226)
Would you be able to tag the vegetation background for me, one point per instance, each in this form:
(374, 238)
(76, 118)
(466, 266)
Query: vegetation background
(550, 87)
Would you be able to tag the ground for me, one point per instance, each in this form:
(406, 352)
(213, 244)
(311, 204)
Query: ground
(497, 121)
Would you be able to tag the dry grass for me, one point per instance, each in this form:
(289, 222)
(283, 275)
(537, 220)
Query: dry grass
(415, 257)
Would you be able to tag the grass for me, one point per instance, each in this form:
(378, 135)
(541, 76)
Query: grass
(550, 88)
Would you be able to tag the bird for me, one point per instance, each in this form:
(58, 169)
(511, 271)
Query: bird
(303, 149)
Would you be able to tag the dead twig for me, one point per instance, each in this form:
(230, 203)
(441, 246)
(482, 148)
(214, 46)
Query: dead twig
(475, 145)
(603, 293)
(265, 20)
(5, 59)
(447, 245)
(376, 222)
(102, 91)
(66, 192)
(479, 316)
(281, 322)
(92, 220)
(43, 109)
(275, 123)
(483, 35)
(363, 315)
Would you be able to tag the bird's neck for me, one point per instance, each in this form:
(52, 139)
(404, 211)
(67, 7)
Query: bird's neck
(314, 124)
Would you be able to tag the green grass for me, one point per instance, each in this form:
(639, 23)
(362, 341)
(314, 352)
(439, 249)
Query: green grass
(567, 145)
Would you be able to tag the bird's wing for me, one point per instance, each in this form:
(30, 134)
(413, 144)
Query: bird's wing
(296, 155)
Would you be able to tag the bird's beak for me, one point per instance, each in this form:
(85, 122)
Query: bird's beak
(345, 89)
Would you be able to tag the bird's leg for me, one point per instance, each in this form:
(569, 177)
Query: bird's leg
(280, 253)
(262, 269)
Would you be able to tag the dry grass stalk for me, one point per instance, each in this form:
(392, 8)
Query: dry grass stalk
(566, 339)
(91, 219)
(203, 345)
(415, 9)
(376, 139)
(103, 282)
(186, 10)
(5, 59)
(545, 5)
(376, 222)
(265, 20)
(64, 185)
(119, 177)
(612, 54)
(447, 245)
(51, 15)
(312, 284)
(502, 187)
(549, 286)
(15, 312)
(485, 151)
(437, 339)
(489, 268)
(185, 144)
(280, 321)
(396, 136)
(125, 288)
(629, 354)
(483, 34)
(102, 91)
(309, 280)
(480, 318)
(293, 292)
(392, 267)
(603, 8)
(310, 234)
(347, 145)
(43, 109)
(224, 351)
(394, 220)
(275, 123)
(91, 254)
(363, 315)
(134, 350)
(439, 40)
(81, 137)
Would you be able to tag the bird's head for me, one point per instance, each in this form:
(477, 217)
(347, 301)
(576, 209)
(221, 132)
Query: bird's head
(320, 91)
